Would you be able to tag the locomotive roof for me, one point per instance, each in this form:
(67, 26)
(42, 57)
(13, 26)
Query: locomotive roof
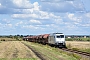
(57, 33)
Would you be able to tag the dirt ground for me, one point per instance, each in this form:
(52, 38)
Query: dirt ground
(15, 49)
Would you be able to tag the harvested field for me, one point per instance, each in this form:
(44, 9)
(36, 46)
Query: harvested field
(15, 49)
(22, 50)
(79, 45)
(7, 39)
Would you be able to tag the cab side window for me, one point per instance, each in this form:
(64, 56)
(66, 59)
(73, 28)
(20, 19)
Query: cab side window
(54, 36)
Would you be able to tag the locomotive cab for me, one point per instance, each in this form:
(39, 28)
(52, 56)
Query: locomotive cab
(57, 39)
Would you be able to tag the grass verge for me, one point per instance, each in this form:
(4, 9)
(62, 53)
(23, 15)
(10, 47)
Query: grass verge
(52, 53)
(18, 59)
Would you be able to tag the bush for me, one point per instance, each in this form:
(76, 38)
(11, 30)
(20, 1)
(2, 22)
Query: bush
(2, 39)
(69, 39)
(88, 40)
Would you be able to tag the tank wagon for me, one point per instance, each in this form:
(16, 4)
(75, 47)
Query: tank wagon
(53, 39)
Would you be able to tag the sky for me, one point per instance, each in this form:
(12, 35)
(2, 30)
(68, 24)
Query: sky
(32, 17)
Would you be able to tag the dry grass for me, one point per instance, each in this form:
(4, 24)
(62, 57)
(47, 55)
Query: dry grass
(7, 39)
(78, 44)
(15, 49)
(50, 53)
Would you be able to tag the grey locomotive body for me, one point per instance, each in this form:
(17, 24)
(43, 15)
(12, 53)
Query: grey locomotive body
(57, 39)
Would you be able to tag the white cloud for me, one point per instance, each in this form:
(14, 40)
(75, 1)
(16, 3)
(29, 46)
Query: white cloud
(14, 6)
(44, 15)
(72, 27)
(50, 19)
(37, 15)
(55, 0)
(74, 18)
(80, 20)
(9, 25)
(36, 6)
(86, 25)
(25, 16)
(70, 16)
(64, 6)
(35, 22)
(5, 26)
(0, 4)
(19, 23)
(6, 21)
(22, 3)
(88, 14)
(22, 6)
(31, 27)
(1, 25)
(58, 21)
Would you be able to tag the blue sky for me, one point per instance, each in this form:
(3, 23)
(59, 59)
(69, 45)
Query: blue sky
(71, 17)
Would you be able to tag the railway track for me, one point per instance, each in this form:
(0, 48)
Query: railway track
(76, 51)
(36, 53)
